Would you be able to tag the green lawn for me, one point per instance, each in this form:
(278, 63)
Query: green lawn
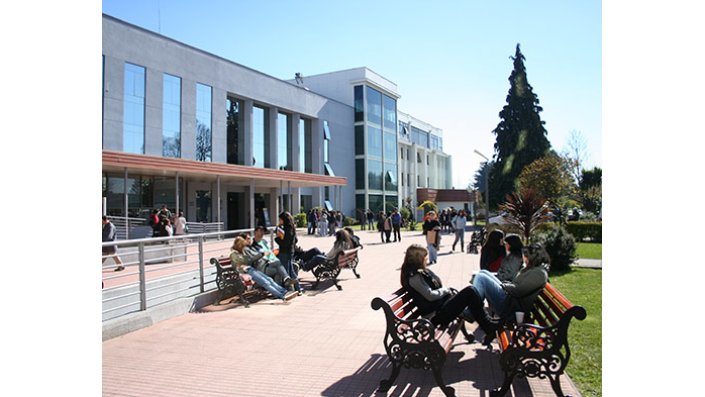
(584, 288)
(589, 250)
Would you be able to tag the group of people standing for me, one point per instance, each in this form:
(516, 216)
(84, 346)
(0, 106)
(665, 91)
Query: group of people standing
(326, 222)
(388, 223)
(165, 224)
(433, 227)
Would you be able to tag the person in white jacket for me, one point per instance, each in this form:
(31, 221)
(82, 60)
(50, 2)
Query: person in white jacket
(459, 226)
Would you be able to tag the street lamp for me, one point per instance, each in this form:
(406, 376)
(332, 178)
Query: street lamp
(487, 189)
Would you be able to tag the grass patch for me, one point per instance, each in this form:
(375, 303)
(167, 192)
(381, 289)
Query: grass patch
(583, 287)
(589, 250)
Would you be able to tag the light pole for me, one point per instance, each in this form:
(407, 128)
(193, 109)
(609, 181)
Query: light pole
(487, 188)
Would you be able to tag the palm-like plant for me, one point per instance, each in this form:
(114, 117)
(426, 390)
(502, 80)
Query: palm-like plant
(526, 210)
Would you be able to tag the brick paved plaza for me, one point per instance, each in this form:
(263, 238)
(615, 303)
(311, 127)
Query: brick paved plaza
(325, 343)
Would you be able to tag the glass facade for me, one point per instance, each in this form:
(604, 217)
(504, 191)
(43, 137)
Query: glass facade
(204, 149)
(390, 178)
(389, 107)
(283, 142)
(374, 141)
(235, 137)
(359, 139)
(376, 201)
(305, 146)
(419, 137)
(359, 104)
(171, 117)
(133, 112)
(144, 193)
(374, 106)
(359, 173)
(390, 147)
(374, 174)
(259, 158)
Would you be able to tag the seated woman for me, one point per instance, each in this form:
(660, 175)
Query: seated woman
(355, 240)
(266, 262)
(342, 243)
(506, 297)
(492, 251)
(241, 262)
(430, 296)
(513, 260)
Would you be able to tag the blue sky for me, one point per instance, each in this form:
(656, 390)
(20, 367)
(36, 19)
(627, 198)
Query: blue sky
(450, 61)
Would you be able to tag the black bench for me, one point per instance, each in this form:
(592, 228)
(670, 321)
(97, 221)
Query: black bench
(330, 269)
(539, 346)
(228, 278)
(412, 341)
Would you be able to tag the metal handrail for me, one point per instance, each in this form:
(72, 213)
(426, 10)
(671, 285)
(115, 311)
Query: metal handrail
(194, 250)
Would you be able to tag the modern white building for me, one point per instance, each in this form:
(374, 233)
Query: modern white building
(227, 143)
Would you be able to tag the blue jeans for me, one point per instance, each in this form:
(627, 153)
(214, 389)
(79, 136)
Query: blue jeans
(432, 253)
(266, 282)
(489, 287)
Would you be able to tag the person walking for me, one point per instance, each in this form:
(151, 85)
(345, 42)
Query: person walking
(370, 219)
(180, 224)
(432, 230)
(110, 251)
(396, 224)
(458, 224)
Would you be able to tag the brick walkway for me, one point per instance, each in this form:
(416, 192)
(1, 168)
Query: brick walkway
(325, 343)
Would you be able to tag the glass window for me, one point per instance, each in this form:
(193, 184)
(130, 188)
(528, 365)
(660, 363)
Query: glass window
(390, 113)
(374, 141)
(359, 139)
(359, 173)
(204, 149)
(283, 142)
(374, 106)
(258, 135)
(390, 177)
(360, 202)
(326, 130)
(325, 151)
(375, 201)
(390, 147)
(305, 145)
(374, 174)
(235, 139)
(329, 170)
(133, 112)
(171, 117)
(391, 202)
(359, 104)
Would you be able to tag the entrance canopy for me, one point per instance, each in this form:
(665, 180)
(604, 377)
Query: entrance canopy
(165, 166)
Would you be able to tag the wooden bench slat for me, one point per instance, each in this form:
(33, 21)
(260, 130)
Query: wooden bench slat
(558, 296)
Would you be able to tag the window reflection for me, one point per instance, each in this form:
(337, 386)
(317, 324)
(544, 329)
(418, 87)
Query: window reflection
(203, 123)
(235, 138)
(258, 144)
(283, 142)
(133, 112)
(374, 141)
(374, 106)
(171, 117)
(374, 174)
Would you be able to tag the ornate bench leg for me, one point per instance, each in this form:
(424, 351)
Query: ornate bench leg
(385, 384)
(447, 390)
(508, 378)
(556, 385)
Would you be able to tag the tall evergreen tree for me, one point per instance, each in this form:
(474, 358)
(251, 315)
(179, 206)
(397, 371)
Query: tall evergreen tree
(521, 136)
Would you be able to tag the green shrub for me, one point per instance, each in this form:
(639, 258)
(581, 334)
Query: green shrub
(585, 230)
(405, 213)
(560, 245)
(350, 221)
(412, 225)
(300, 219)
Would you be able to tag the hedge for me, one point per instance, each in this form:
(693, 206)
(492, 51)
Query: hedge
(584, 230)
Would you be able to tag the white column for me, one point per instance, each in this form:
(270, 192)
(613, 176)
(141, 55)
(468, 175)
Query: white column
(217, 201)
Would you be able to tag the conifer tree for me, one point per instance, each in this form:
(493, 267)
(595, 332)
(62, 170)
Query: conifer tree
(520, 134)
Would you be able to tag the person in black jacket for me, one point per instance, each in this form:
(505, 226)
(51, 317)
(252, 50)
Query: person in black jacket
(426, 289)
(286, 239)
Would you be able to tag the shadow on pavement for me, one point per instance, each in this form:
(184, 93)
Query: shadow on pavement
(482, 372)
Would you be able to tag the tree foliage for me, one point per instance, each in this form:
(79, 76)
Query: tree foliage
(520, 134)
(549, 177)
(526, 210)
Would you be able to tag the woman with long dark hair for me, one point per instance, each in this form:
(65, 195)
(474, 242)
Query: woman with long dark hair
(286, 239)
(426, 289)
(513, 260)
(492, 251)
